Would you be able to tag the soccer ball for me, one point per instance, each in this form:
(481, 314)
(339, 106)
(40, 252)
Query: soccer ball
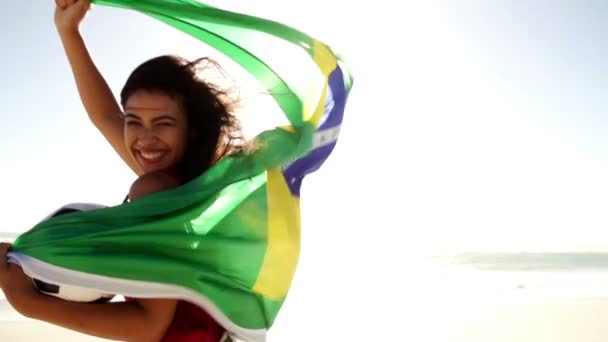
(66, 292)
(72, 293)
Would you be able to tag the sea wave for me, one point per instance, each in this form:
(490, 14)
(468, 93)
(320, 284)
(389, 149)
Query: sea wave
(525, 261)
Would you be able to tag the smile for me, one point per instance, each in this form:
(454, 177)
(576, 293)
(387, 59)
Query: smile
(151, 157)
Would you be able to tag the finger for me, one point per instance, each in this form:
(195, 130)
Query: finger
(70, 2)
(61, 3)
(4, 248)
(83, 3)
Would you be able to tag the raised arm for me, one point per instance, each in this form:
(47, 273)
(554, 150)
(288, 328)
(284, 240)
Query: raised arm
(95, 94)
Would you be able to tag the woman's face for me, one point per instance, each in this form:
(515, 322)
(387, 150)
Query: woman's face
(155, 130)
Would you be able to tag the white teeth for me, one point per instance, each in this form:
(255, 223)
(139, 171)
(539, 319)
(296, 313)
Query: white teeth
(151, 155)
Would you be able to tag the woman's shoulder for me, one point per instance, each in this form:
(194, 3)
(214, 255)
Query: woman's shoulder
(153, 182)
(173, 174)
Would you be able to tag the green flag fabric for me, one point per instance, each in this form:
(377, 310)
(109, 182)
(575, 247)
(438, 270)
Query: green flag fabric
(229, 240)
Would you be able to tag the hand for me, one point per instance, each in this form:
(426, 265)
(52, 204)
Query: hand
(17, 287)
(69, 14)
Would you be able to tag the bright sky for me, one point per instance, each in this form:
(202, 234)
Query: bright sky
(472, 125)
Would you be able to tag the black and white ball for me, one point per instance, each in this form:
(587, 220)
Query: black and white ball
(72, 293)
(66, 292)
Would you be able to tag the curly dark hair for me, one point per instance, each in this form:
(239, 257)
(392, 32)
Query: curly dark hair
(214, 130)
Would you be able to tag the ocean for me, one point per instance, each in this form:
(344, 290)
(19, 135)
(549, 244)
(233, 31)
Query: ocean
(523, 275)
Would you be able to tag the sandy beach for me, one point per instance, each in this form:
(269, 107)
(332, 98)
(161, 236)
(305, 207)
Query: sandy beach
(560, 320)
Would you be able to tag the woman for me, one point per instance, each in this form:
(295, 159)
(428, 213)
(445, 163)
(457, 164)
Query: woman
(171, 124)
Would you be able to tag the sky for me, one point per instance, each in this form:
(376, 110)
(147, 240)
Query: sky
(472, 126)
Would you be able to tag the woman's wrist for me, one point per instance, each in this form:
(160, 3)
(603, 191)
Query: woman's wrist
(68, 32)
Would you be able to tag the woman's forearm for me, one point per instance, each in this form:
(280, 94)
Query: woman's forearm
(95, 94)
(124, 321)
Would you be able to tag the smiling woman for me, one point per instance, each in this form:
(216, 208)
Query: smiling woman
(175, 120)
(230, 237)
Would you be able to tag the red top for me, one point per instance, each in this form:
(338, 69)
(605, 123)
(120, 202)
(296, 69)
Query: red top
(190, 322)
